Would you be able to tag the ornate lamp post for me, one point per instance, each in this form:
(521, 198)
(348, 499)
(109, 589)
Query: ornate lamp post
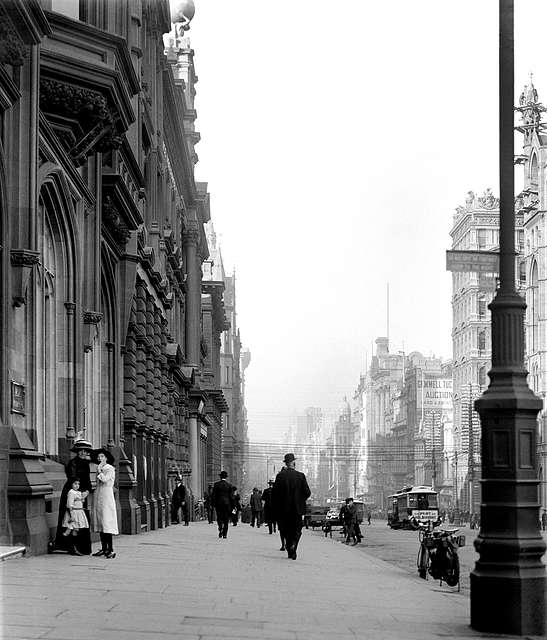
(508, 582)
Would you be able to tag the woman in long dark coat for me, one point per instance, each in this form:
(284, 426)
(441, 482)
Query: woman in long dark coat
(77, 467)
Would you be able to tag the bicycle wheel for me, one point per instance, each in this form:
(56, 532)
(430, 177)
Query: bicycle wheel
(421, 561)
(452, 574)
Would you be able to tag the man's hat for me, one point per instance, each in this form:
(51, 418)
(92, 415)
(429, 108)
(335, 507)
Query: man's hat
(223, 474)
(289, 457)
(81, 444)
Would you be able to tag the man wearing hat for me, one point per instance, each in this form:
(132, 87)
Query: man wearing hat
(77, 467)
(269, 517)
(289, 494)
(222, 499)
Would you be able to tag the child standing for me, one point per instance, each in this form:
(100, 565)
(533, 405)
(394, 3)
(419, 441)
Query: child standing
(75, 518)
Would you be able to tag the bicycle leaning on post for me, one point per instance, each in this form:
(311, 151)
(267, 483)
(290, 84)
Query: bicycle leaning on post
(438, 553)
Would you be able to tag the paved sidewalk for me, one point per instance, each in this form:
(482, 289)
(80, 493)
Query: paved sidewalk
(184, 583)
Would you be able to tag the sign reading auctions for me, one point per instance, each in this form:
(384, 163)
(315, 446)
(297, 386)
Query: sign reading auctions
(434, 393)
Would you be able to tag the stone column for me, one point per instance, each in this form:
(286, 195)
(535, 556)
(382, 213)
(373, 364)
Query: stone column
(150, 484)
(193, 337)
(157, 417)
(130, 520)
(141, 453)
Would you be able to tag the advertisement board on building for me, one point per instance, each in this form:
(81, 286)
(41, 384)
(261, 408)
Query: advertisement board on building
(434, 393)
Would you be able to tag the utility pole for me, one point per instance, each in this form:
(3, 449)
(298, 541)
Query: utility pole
(456, 489)
(508, 581)
(471, 450)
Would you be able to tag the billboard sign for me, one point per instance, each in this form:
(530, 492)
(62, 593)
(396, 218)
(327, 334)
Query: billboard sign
(473, 261)
(434, 393)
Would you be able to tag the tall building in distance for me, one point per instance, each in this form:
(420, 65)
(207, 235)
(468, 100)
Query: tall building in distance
(531, 205)
(475, 228)
(234, 361)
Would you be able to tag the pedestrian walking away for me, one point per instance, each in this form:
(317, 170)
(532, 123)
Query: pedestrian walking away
(104, 506)
(223, 503)
(289, 495)
(208, 503)
(178, 500)
(269, 517)
(236, 501)
(256, 507)
(77, 467)
(348, 514)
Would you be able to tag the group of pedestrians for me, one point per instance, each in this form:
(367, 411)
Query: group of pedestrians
(284, 505)
(73, 525)
(349, 517)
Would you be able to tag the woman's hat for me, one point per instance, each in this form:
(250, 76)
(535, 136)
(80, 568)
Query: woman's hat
(81, 444)
(106, 452)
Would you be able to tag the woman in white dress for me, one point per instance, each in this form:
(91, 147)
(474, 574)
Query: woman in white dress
(104, 506)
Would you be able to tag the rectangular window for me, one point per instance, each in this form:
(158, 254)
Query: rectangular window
(481, 238)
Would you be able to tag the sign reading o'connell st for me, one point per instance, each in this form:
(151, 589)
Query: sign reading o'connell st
(477, 261)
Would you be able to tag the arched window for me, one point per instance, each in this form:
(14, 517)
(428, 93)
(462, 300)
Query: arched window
(534, 173)
(533, 307)
(482, 340)
(482, 305)
(50, 323)
(482, 377)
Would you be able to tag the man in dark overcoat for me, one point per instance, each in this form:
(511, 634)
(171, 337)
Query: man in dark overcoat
(289, 495)
(222, 499)
(269, 517)
(178, 500)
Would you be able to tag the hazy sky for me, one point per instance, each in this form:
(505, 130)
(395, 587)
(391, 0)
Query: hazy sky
(337, 139)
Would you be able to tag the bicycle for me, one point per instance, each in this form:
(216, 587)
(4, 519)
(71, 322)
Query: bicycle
(438, 553)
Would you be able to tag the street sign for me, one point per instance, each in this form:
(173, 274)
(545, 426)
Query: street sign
(476, 261)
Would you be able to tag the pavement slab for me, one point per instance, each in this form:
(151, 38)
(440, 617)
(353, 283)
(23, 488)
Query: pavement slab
(185, 582)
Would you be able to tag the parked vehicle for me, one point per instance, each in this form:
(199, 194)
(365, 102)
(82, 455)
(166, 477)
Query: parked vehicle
(333, 515)
(316, 516)
(438, 553)
(412, 504)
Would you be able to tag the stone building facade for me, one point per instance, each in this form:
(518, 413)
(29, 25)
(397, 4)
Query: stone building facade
(475, 228)
(104, 329)
(531, 205)
(234, 359)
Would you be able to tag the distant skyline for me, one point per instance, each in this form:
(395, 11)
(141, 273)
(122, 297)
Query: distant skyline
(337, 144)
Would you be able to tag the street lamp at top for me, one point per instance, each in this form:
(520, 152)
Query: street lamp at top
(182, 12)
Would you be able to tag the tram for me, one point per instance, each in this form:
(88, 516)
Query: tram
(420, 503)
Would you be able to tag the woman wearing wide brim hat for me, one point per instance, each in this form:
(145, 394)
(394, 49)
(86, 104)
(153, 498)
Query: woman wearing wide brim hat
(77, 467)
(105, 518)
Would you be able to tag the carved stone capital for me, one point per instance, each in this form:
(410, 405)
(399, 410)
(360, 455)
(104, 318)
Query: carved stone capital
(22, 263)
(82, 117)
(113, 221)
(190, 237)
(24, 257)
(92, 317)
(70, 308)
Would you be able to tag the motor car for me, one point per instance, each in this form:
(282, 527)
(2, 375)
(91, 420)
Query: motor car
(316, 516)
